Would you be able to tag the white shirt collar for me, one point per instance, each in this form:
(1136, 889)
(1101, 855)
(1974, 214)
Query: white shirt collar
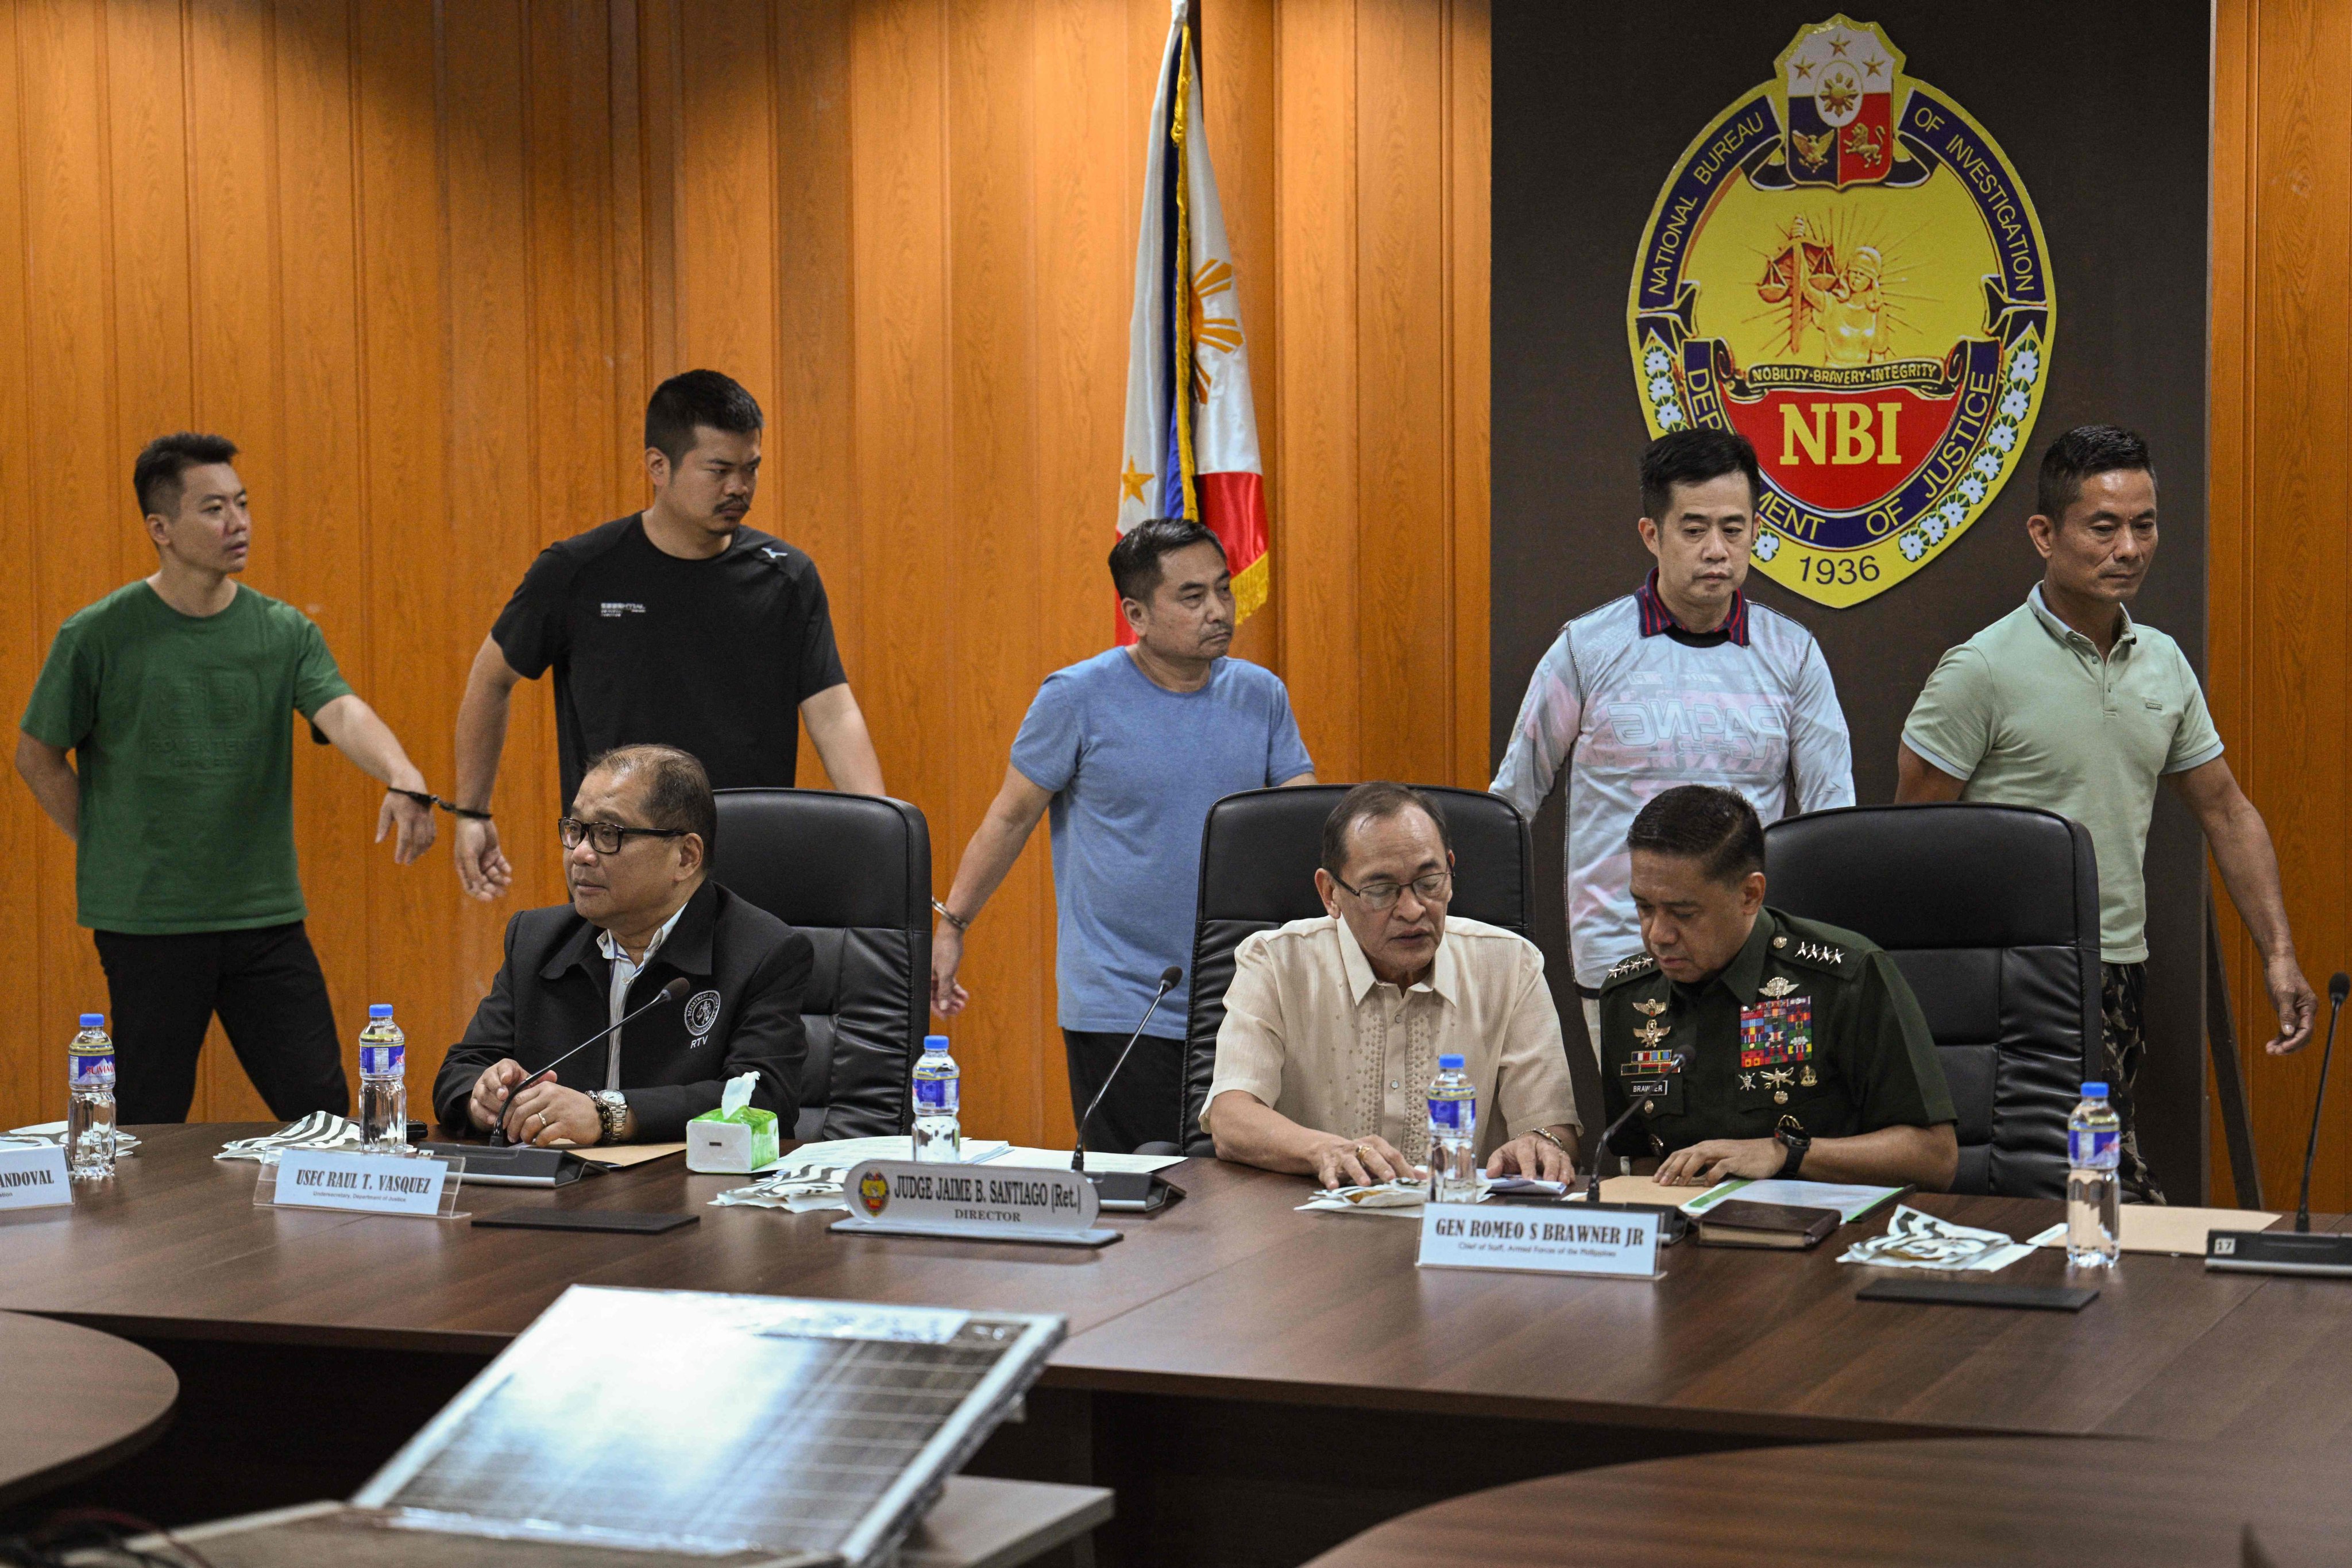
(613, 951)
(1441, 978)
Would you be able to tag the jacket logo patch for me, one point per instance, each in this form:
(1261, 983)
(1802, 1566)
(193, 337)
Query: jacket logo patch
(701, 1012)
(614, 609)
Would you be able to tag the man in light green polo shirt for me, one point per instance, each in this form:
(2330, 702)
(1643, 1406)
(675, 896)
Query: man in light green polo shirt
(2069, 704)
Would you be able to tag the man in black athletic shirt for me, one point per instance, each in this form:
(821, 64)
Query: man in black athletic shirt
(678, 626)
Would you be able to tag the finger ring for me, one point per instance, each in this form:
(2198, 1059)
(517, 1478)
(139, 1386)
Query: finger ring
(1363, 1152)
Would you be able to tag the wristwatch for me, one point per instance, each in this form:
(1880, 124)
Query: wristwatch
(612, 1113)
(1792, 1135)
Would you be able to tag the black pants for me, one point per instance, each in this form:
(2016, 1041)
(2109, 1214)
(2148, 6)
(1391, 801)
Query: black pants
(1142, 1107)
(272, 1000)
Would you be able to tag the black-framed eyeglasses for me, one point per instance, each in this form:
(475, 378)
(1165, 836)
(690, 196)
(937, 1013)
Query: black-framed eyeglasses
(608, 836)
(1434, 889)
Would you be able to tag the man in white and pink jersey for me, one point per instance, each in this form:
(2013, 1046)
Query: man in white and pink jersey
(1682, 681)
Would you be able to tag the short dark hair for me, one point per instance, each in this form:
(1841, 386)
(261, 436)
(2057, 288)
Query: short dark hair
(1135, 568)
(155, 477)
(677, 791)
(697, 398)
(2085, 450)
(1374, 802)
(1697, 822)
(1693, 457)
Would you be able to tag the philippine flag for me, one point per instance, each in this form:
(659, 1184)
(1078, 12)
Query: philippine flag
(1191, 426)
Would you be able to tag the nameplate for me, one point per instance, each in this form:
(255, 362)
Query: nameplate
(34, 1178)
(971, 1203)
(363, 1183)
(1551, 1238)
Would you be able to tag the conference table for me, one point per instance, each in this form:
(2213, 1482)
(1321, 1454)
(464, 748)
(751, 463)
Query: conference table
(1256, 1383)
(73, 1400)
(2023, 1502)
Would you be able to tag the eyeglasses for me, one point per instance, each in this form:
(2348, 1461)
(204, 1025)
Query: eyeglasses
(608, 836)
(1434, 889)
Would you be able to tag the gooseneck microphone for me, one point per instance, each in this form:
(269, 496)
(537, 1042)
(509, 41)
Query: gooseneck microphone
(2339, 985)
(670, 993)
(1169, 978)
(1600, 1149)
(2295, 1251)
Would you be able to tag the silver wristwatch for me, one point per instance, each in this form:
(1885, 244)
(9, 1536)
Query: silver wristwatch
(612, 1113)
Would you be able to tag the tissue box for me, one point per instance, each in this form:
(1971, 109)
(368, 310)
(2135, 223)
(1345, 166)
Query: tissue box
(731, 1144)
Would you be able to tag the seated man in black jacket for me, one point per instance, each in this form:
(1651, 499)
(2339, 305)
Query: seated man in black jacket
(643, 912)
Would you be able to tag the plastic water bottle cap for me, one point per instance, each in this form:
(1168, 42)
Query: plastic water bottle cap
(94, 1020)
(935, 1042)
(2095, 1092)
(1449, 1063)
(379, 1009)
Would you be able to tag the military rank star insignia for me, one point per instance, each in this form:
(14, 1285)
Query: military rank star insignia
(1780, 986)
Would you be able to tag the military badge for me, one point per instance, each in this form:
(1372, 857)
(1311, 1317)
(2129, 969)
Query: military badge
(1780, 986)
(1645, 1064)
(1889, 357)
(1778, 1031)
(874, 1192)
(1649, 1007)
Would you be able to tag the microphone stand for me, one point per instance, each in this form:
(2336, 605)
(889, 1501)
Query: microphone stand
(2337, 988)
(498, 1127)
(1078, 1155)
(1600, 1149)
(2295, 1251)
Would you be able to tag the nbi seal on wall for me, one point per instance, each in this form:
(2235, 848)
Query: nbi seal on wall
(1844, 268)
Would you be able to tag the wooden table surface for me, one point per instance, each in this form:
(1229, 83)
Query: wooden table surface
(1230, 1294)
(73, 1400)
(2022, 1502)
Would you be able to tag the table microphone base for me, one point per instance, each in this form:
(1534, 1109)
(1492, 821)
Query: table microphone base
(2279, 1252)
(1133, 1192)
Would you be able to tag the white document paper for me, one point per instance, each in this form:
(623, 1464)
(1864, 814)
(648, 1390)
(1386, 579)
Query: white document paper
(359, 1184)
(35, 1178)
(1852, 1201)
(1096, 1160)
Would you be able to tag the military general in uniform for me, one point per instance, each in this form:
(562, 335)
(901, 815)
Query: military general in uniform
(1750, 1042)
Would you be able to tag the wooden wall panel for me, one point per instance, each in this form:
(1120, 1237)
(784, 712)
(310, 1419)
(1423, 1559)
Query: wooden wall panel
(425, 261)
(2279, 668)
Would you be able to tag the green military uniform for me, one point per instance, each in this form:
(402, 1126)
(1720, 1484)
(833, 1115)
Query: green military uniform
(1806, 1021)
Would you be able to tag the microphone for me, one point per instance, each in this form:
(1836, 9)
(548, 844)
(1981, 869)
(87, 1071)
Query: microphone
(1169, 978)
(670, 993)
(2295, 1251)
(2339, 985)
(1600, 1147)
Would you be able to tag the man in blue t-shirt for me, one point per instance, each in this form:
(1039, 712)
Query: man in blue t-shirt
(1129, 748)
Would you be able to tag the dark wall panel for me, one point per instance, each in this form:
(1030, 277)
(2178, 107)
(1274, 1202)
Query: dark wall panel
(1593, 109)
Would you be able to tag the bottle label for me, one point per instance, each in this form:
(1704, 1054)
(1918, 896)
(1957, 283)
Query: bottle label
(936, 1097)
(384, 1061)
(90, 1069)
(1454, 1117)
(2095, 1147)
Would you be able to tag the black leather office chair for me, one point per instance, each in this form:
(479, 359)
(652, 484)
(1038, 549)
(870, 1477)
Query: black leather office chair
(1258, 854)
(1992, 912)
(854, 873)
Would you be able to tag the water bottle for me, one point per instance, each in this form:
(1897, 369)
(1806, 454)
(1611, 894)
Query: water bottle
(2095, 1138)
(939, 1094)
(1453, 1135)
(89, 1108)
(383, 1084)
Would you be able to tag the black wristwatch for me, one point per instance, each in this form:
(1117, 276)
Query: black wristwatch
(1792, 1135)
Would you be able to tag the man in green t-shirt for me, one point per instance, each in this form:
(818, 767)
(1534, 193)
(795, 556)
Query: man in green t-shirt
(2069, 704)
(173, 696)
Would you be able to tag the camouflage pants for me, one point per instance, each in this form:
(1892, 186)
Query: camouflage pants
(2122, 996)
